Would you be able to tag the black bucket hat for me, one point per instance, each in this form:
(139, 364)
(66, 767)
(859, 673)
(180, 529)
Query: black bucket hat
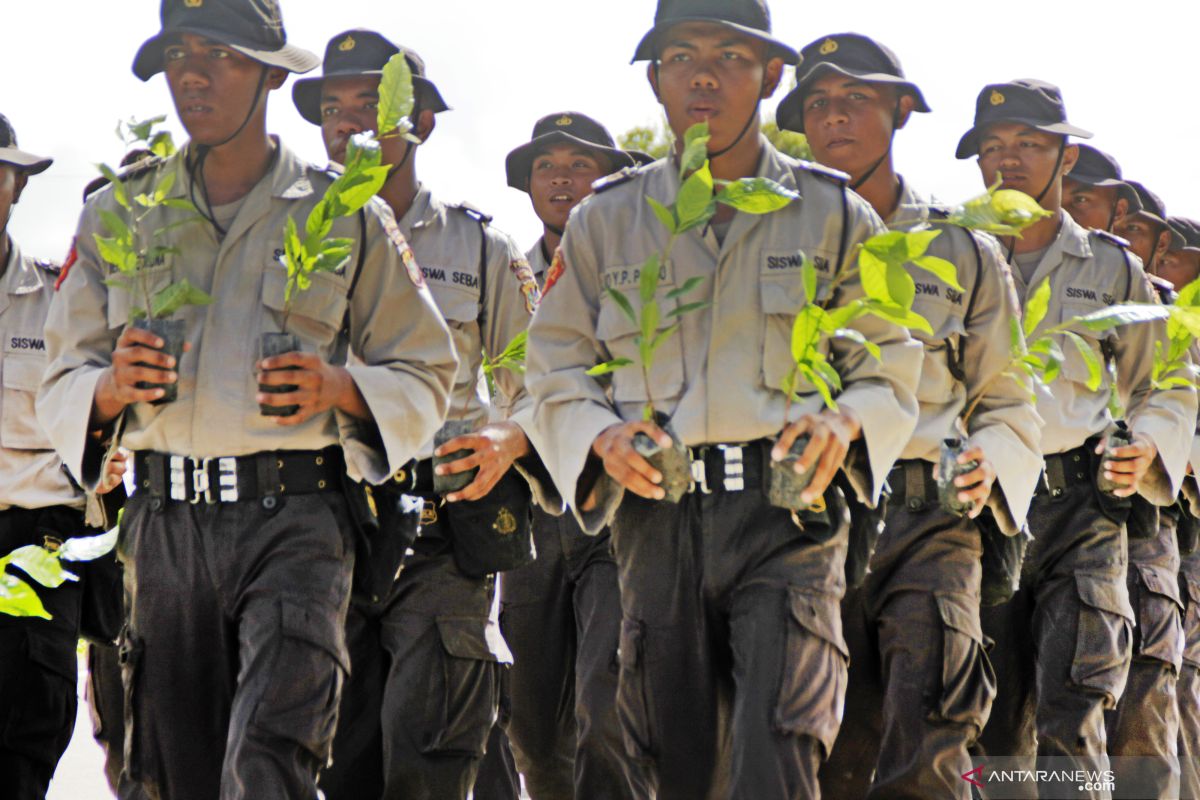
(11, 154)
(252, 27)
(1186, 229)
(363, 52)
(1096, 168)
(1029, 102)
(565, 127)
(849, 54)
(1154, 209)
(751, 17)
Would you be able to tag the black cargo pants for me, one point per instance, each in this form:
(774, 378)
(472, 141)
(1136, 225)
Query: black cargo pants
(106, 702)
(1145, 723)
(1188, 689)
(234, 655)
(921, 684)
(561, 617)
(732, 661)
(425, 687)
(1064, 642)
(38, 666)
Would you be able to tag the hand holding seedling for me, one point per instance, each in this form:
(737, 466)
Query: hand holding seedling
(493, 449)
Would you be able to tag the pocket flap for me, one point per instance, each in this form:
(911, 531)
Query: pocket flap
(473, 637)
(319, 627)
(1106, 594)
(819, 614)
(957, 615)
(58, 657)
(781, 294)
(1193, 589)
(23, 372)
(324, 301)
(612, 322)
(1159, 583)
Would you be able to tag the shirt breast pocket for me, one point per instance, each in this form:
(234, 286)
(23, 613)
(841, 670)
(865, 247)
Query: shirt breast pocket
(943, 353)
(122, 300)
(1075, 366)
(782, 296)
(619, 334)
(316, 314)
(19, 428)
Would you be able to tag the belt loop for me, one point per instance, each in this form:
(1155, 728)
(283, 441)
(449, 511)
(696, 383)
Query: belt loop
(1056, 477)
(156, 472)
(269, 486)
(914, 486)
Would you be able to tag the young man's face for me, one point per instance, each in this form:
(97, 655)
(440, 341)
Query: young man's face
(561, 176)
(349, 106)
(1092, 206)
(1025, 156)
(1146, 237)
(849, 122)
(1179, 267)
(711, 73)
(12, 183)
(213, 86)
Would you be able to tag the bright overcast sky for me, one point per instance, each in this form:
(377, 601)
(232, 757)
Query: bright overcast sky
(1127, 71)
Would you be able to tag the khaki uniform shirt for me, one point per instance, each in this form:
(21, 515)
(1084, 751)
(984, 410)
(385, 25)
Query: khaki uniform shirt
(405, 359)
(537, 261)
(1089, 271)
(719, 379)
(31, 473)
(1004, 423)
(450, 245)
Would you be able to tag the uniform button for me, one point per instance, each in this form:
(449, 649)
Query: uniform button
(914, 503)
(1056, 492)
(269, 502)
(1075, 457)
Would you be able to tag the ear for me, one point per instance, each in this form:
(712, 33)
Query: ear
(1164, 243)
(426, 122)
(771, 77)
(652, 78)
(904, 107)
(19, 181)
(1070, 157)
(275, 78)
(1122, 208)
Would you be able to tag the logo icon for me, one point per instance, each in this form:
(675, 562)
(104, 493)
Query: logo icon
(828, 47)
(978, 773)
(564, 121)
(193, 3)
(347, 44)
(429, 513)
(997, 99)
(506, 523)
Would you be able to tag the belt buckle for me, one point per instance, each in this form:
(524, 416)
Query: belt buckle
(699, 472)
(200, 482)
(735, 471)
(178, 469)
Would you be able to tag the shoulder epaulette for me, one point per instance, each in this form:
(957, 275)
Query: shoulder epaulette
(1163, 288)
(1111, 238)
(53, 267)
(939, 212)
(616, 179)
(822, 171)
(473, 212)
(135, 170)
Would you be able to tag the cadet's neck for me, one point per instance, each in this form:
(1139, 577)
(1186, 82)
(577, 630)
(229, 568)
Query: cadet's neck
(882, 189)
(401, 189)
(5, 251)
(233, 169)
(739, 162)
(1038, 236)
(550, 240)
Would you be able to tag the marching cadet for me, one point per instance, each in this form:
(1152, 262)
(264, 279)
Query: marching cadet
(561, 615)
(1145, 723)
(427, 658)
(237, 542)
(1094, 194)
(1063, 642)
(732, 660)
(916, 619)
(39, 505)
(1180, 265)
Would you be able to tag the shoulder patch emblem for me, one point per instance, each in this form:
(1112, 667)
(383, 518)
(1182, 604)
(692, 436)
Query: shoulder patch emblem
(529, 288)
(406, 254)
(556, 270)
(68, 262)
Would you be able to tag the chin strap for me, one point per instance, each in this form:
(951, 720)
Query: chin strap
(745, 128)
(195, 168)
(866, 176)
(1058, 162)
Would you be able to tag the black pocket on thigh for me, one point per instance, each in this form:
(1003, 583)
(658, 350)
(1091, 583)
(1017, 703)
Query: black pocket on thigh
(633, 707)
(301, 700)
(815, 660)
(493, 533)
(42, 716)
(464, 699)
(1159, 630)
(1104, 637)
(968, 680)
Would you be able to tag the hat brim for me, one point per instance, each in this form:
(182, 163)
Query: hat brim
(1097, 183)
(519, 162)
(306, 93)
(149, 59)
(1178, 241)
(645, 48)
(968, 145)
(790, 113)
(27, 162)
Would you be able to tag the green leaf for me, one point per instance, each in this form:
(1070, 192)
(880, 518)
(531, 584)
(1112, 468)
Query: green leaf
(808, 278)
(18, 599)
(179, 203)
(651, 316)
(88, 548)
(649, 278)
(901, 286)
(695, 148)
(661, 337)
(858, 338)
(118, 282)
(687, 308)
(609, 366)
(843, 315)
(1002, 212)
(1122, 314)
(873, 272)
(663, 213)
(806, 333)
(1035, 308)
(916, 242)
(171, 298)
(162, 145)
(165, 184)
(756, 195)
(946, 272)
(688, 286)
(117, 253)
(1016, 339)
(41, 565)
(904, 317)
(395, 94)
(819, 384)
(826, 371)
(115, 226)
(140, 131)
(701, 220)
(695, 197)
(118, 187)
(1089, 358)
(623, 303)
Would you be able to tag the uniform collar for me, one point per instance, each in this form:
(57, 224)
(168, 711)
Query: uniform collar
(424, 210)
(771, 164)
(912, 209)
(20, 275)
(1074, 237)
